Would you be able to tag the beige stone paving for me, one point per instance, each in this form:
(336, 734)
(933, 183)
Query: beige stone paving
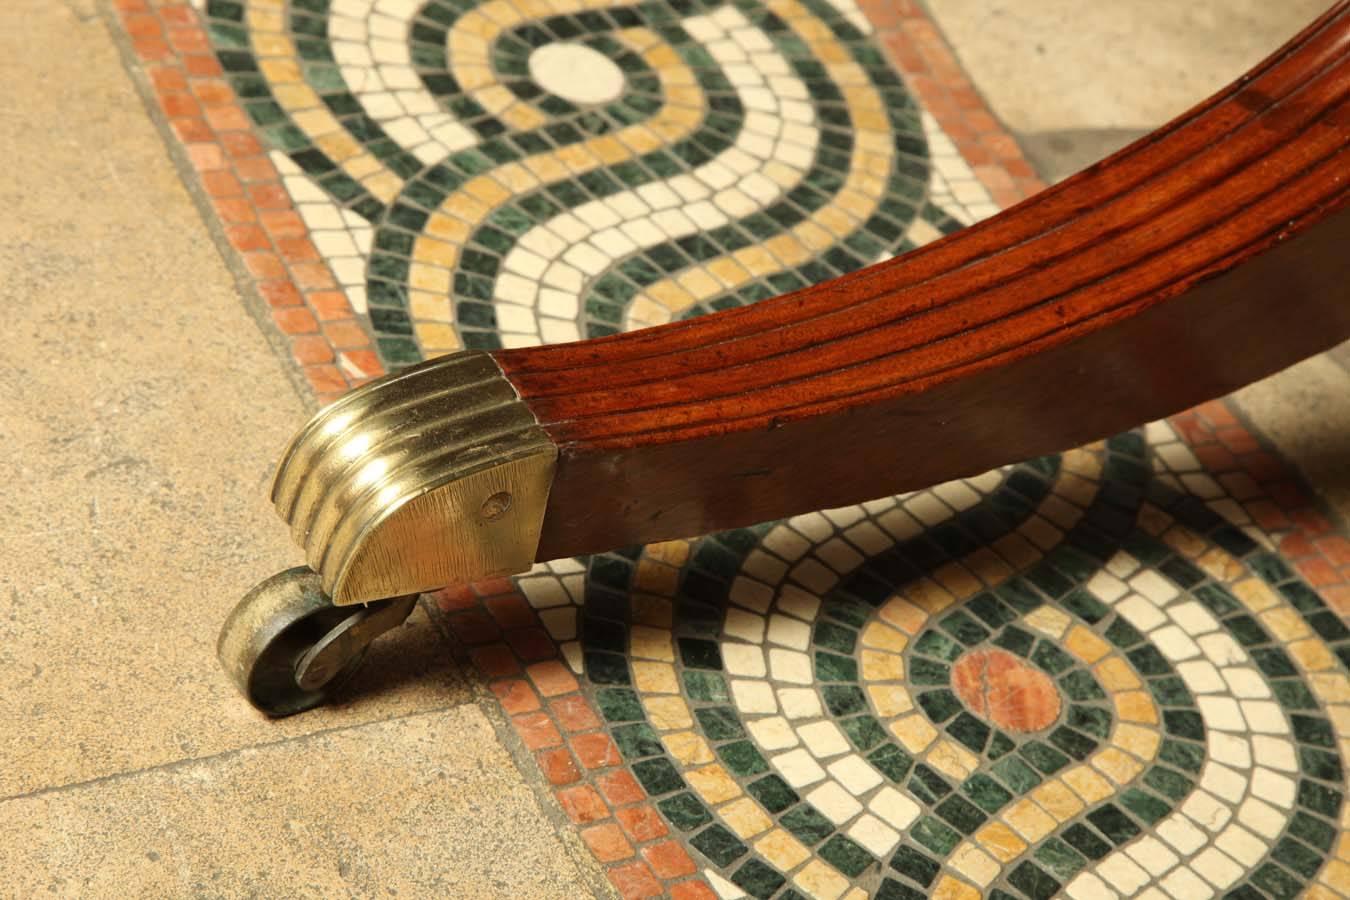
(423, 806)
(141, 416)
(141, 411)
(1047, 65)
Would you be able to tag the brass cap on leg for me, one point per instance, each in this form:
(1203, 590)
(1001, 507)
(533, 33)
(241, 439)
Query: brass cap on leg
(436, 475)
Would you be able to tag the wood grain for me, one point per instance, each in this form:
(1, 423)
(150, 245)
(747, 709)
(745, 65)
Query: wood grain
(1207, 255)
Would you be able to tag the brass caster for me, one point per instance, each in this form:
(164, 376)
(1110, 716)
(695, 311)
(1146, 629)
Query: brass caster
(288, 648)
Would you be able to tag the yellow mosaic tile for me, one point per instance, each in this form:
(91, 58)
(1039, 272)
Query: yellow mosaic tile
(877, 665)
(1017, 550)
(655, 678)
(1253, 592)
(430, 307)
(1185, 541)
(653, 611)
(820, 881)
(957, 579)
(1135, 706)
(1085, 644)
(1285, 624)
(688, 748)
(914, 732)
(952, 760)
(986, 565)
(713, 784)
(1116, 675)
(904, 615)
(889, 700)
(1142, 742)
(1001, 841)
(672, 553)
(1337, 877)
(1222, 567)
(645, 642)
(438, 336)
(1117, 765)
(1313, 655)
(949, 888)
(1048, 621)
(884, 637)
(975, 864)
(1029, 820)
(782, 849)
(656, 578)
(667, 713)
(745, 818)
(929, 596)
(1153, 520)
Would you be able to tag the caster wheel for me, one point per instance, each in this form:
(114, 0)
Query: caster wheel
(288, 648)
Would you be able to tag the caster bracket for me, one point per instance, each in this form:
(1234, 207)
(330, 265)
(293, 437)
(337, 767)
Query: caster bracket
(349, 639)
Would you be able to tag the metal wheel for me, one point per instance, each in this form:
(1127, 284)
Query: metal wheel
(288, 648)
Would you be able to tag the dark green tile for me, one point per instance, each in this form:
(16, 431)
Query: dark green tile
(987, 793)
(961, 814)
(809, 826)
(915, 866)
(658, 776)
(637, 741)
(706, 686)
(891, 761)
(757, 879)
(864, 731)
(684, 811)
(1086, 841)
(720, 723)
(1061, 859)
(719, 845)
(1033, 881)
(1276, 882)
(835, 637)
(1114, 824)
(1016, 774)
(773, 793)
(830, 667)
(700, 654)
(846, 856)
(618, 705)
(936, 836)
(742, 758)
(843, 700)
(1298, 858)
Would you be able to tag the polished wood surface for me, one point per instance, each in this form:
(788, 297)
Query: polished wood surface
(1203, 257)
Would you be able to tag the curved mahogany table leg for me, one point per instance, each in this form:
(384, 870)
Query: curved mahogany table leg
(1114, 298)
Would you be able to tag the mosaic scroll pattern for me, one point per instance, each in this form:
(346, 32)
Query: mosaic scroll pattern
(486, 174)
(1065, 677)
(1087, 675)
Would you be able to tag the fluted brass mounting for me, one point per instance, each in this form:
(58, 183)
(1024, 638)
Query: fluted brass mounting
(434, 476)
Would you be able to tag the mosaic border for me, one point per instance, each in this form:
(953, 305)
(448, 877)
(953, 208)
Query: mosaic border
(278, 249)
(1210, 453)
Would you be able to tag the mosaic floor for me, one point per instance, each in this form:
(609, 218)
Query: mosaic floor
(1117, 671)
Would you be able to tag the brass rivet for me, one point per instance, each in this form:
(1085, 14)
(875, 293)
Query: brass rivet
(494, 506)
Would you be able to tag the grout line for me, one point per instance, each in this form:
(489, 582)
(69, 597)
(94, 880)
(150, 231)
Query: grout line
(177, 764)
